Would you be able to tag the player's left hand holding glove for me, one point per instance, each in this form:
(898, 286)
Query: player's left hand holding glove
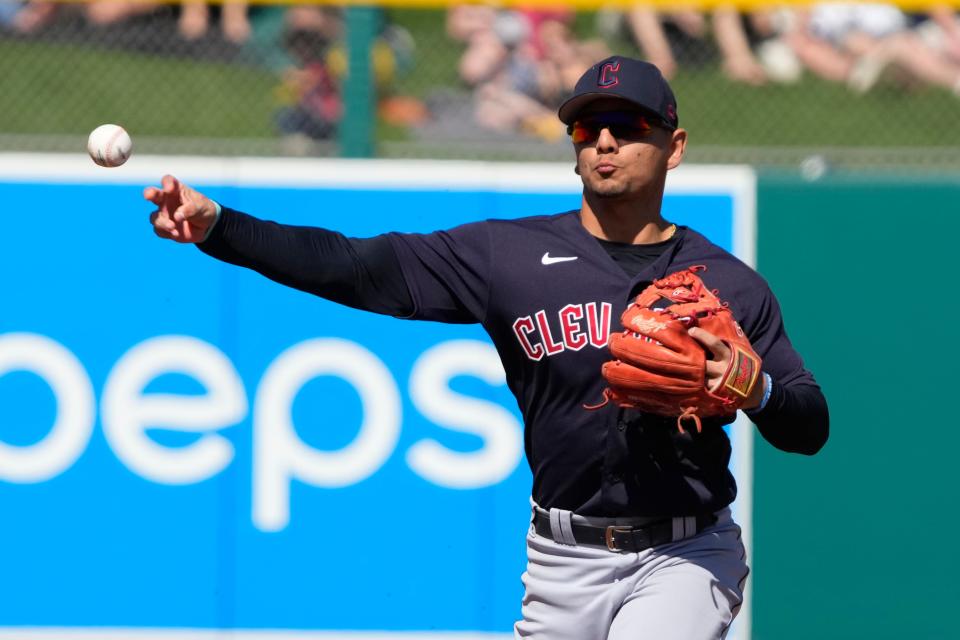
(661, 365)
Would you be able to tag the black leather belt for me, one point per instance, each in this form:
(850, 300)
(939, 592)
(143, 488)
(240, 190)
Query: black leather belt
(620, 538)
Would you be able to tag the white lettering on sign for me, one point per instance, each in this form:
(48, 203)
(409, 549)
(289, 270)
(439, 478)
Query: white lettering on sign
(68, 437)
(127, 412)
(501, 432)
(279, 456)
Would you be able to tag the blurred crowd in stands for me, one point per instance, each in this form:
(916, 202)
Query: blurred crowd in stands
(517, 64)
(521, 62)
(33, 16)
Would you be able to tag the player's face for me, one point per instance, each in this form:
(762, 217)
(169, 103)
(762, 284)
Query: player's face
(622, 152)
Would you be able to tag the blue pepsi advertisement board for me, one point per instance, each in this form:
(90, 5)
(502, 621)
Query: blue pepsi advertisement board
(188, 449)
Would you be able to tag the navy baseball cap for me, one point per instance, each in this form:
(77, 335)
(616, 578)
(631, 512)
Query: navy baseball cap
(632, 80)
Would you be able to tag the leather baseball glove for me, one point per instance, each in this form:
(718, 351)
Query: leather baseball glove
(659, 368)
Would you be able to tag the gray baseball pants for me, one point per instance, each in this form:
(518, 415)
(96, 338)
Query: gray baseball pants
(690, 589)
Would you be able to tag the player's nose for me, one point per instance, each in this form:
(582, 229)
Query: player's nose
(606, 141)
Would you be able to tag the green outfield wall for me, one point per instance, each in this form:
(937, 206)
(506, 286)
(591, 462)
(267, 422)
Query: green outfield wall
(860, 541)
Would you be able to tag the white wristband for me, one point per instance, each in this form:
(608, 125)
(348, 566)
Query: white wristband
(210, 228)
(766, 392)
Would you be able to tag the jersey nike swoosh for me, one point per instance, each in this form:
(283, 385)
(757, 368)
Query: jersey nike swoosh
(547, 259)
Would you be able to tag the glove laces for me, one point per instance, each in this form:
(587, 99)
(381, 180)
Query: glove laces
(689, 413)
(603, 403)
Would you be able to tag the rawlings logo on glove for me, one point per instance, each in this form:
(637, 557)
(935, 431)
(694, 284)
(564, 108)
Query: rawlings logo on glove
(660, 368)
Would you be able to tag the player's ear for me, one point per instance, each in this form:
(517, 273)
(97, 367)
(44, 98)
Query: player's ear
(576, 169)
(676, 148)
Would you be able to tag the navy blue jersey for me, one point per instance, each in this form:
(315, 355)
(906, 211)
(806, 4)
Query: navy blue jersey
(549, 295)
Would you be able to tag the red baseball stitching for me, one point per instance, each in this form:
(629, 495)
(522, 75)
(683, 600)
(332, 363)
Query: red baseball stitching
(110, 143)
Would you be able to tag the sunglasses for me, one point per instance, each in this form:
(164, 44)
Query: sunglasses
(622, 125)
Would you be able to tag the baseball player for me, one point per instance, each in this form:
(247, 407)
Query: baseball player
(631, 535)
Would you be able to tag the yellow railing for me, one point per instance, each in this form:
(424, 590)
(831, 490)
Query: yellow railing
(907, 5)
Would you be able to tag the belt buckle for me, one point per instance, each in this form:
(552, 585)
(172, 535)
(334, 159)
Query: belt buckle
(608, 536)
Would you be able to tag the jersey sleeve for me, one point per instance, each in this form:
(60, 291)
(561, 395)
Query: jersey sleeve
(358, 272)
(447, 272)
(796, 417)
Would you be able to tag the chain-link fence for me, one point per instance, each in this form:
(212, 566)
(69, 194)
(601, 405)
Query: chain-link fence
(856, 84)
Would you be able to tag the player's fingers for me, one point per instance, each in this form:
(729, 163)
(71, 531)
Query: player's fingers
(159, 229)
(154, 195)
(197, 200)
(188, 204)
(714, 373)
(160, 220)
(185, 211)
(716, 367)
(160, 233)
(715, 345)
(170, 184)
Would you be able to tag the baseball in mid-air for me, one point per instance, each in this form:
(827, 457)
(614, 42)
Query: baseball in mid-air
(109, 145)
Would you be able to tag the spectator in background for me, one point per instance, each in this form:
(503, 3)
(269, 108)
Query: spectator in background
(34, 15)
(738, 59)
(466, 21)
(311, 90)
(691, 28)
(512, 86)
(309, 94)
(940, 30)
(557, 44)
(520, 64)
(649, 27)
(107, 12)
(195, 20)
(856, 43)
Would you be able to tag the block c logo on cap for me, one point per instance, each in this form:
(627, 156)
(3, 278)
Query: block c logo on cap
(608, 75)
